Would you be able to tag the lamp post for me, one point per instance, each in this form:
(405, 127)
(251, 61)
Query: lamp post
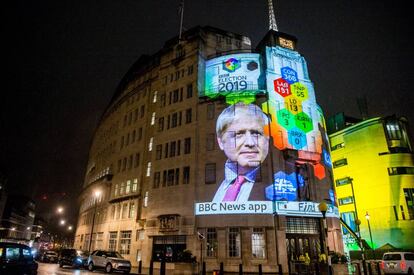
(367, 216)
(323, 207)
(97, 194)
(358, 223)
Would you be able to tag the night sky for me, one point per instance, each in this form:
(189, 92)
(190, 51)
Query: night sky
(64, 59)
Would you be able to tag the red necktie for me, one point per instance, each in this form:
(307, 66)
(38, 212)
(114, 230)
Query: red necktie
(234, 189)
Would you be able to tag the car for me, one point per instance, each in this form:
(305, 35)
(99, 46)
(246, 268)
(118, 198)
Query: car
(73, 257)
(16, 258)
(398, 263)
(49, 256)
(108, 260)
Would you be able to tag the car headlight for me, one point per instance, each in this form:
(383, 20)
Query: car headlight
(79, 260)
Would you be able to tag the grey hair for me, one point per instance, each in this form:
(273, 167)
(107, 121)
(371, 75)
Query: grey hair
(228, 115)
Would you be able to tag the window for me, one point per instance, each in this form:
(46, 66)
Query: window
(409, 199)
(160, 124)
(153, 118)
(140, 235)
(140, 133)
(170, 177)
(211, 242)
(349, 218)
(128, 187)
(135, 185)
(338, 146)
(210, 111)
(174, 120)
(393, 130)
(402, 212)
(210, 142)
(187, 146)
(116, 190)
(136, 161)
(162, 99)
(133, 136)
(130, 161)
(154, 98)
(346, 200)
(189, 90)
(142, 111)
(186, 175)
(121, 190)
(125, 242)
(188, 115)
(234, 242)
(113, 236)
(158, 152)
(156, 183)
(175, 96)
(12, 254)
(122, 142)
(392, 171)
(119, 165)
(124, 210)
(190, 70)
(131, 210)
(148, 169)
(172, 148)
(150, 144)
(258, 243)
(339, 163)
(177, 176)
(296, 225)
(210, 170)
(127, 140)
(343, 181)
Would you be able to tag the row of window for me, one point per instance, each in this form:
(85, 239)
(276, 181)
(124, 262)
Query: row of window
(131, 137)
(178, 74)
(129, 162)
(123, 210)
(174, 120)
(124, 188)
(133, 115)
(258, 242)
(171, 177)
(172, 149)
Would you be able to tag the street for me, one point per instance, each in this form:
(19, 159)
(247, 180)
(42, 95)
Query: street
(54, 269)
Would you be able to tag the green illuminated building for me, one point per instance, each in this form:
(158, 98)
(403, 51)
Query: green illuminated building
(373, 165)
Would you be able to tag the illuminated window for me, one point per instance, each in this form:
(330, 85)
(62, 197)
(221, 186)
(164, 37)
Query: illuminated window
(112, 242)
(154, 99)
(340, 162)
(131, 210)
(121, 190)
(146, 199)
(150, 144)
(258, 243)
(393, 130)
(128, 187)
(346, 200)
(233, 242)
(140, 234)
(186, 175)
(392, 171)
(153, 118)
(210, 176)
(135, 185)
(343, 181)
(148, 169)
(211, 242)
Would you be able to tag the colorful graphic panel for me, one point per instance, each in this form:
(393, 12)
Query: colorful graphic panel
(231, 75)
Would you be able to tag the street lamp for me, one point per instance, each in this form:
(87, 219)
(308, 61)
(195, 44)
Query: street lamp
(59, 210)
(62, 222)
(70, 227)
(323, 207)
(97, 194)
(367, 216)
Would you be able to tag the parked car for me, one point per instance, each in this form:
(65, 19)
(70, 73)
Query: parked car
(49, 256)
(109, 260)
(398, 263)
(73, 257)
(16, 258)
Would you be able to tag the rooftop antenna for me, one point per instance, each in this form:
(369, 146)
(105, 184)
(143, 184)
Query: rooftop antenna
(181, 13)
(272, 19)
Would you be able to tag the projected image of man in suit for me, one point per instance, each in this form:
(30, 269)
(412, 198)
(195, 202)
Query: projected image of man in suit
(240, 130)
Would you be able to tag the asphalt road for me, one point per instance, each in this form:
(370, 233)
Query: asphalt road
(54, 269)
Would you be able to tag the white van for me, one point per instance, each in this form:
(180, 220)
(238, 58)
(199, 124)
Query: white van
(398, 263)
